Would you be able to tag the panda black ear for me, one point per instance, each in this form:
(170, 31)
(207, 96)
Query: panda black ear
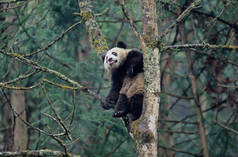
(102, 55)
(121, 44)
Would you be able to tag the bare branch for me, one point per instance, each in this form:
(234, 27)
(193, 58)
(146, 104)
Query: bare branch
(54, 41)
(37, 66)
(30, 153)
(179, 151)
(201, 46)
(227, 128)
(182, 16)
(58, 118)
(138, 35)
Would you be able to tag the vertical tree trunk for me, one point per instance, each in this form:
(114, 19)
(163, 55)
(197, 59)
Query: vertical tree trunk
(144, 130)
(20, 129)
(17, 130)
(9, 124)
(166, 138)
(197, 102)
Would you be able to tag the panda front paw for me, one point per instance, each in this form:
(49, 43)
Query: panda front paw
(121, 108)
(109, 102)
(106, 106)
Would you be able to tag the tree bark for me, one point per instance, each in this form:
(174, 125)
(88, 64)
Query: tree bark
(144, 130)
(20, 129)
(17, 130)
(96, 37)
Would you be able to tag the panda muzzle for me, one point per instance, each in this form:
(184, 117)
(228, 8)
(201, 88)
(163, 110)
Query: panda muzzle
(111, 61)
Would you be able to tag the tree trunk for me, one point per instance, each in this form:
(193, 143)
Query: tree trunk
(9, 124)
(144, 130)
(166, 138)
(17, 130)
(197, 102)
(20, 129)
(96, 37)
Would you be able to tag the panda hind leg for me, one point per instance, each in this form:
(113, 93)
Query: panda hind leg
(121, 108)
(136, 104)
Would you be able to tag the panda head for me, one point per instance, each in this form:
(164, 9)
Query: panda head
(115, 57)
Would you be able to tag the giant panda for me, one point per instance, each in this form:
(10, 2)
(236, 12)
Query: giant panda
(125, 66)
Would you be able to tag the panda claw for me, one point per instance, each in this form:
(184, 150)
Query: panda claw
(119, 114)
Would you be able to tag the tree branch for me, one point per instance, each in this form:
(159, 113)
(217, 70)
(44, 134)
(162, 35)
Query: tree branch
(98, 41)
(54, 41)
(131, 22)
(201, 46)
(197, 102)
(37, 66)
(181, 17)
(30, 153)
(227, 128)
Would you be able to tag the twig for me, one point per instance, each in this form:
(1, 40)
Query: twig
(53, 118)
(179, 132)
(226, 86)
(181, 17)
(178, 96)
(74, 108)
(25, 122)
(138, 35)
(59, 119)
(5, 85)
(21, 77)
(177, 121)
(54, 41)
(227, 128)
(225, 60)
(59, 61)
(179, 151)
(53, 72)
(115, 149)
(203, 45)
(211, 14)
(118, 34)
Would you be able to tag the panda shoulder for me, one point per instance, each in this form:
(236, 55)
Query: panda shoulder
(134, 54)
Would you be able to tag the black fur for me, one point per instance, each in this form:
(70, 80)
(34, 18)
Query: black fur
(121, 44)
(134, 63)
(136, 104)
(130, 68)
(121, 108)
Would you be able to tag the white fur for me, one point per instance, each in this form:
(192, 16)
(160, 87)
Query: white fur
(116, 61)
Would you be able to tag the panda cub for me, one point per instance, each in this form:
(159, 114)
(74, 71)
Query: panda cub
(125, 66)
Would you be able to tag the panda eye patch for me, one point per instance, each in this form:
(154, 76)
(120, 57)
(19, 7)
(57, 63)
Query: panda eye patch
(114, 53)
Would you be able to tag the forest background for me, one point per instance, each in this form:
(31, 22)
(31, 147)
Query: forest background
(52, 80)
